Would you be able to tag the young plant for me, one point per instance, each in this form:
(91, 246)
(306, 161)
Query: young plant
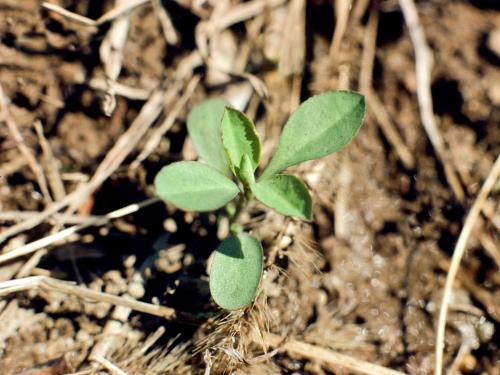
(228, 143)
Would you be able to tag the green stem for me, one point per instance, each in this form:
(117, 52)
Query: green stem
(240, 207)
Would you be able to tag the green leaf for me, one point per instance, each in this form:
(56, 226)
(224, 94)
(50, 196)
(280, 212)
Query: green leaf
(286, 194)
(320, 126)
(194, 186)
(236, 271)
(240, 138)
(204, 127)
(246, 171)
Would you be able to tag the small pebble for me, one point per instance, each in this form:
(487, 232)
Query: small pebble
(129, 261)
(468, 363)
(136, 290)
(170, 225)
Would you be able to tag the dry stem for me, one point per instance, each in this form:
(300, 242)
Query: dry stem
(25, 151)
(374, 103)
(457, 256)
(51, 239)
(51, 285)
(334, 359)
(423, 71)
(148, 114)
(342, 9)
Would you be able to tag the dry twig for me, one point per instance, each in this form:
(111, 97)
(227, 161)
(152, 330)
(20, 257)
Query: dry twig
(149, 112)
(159, 132)
(489, 245)
(133, 93)
(244, 11)
(108, 365)
(293, 43)
(111, 54)
(50, 285)
(342, 8)
(389, 129)
(69, 15)
(6, 117)
(106, 17)
(322, 355)
(53, 238)
(480, 294)
(169, 32)
(374, 103)
(423, 72)
(457, 256)
(17, 216)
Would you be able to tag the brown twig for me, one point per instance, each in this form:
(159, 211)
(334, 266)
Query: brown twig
(6, 117)
(149, 112)
(106, 17)
(244, 11)
(57, 187)
(323, 355)
(423, 72)
(342, 8)
(389, 129)
(369, 50)
(133, 93)
(32, 262)
(489, 245)
(457, 256)
(50, 285)
(108, 365)
(69, 15)
(51, 164)
(483, 296)
(120, 10)
(169, 32)
(374, 103)
(159, 132)
(17, 216)
(51, 239)
(293, 43)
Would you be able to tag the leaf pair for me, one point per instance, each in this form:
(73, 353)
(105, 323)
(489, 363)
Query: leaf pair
(320, 126)
(285, 193)
(226, 139)
(200, 187)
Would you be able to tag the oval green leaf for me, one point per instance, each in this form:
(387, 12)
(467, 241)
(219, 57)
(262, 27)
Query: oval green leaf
(320, 126)
(204, 128)
(286, 194)
(194, 186)
(240, 138)
(236, 271)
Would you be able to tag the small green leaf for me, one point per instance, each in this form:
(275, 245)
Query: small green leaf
(240, 138)
(236, 271)
(286, 194)
(320, 126)
(194, 186)
(204, 127)
(246, 171)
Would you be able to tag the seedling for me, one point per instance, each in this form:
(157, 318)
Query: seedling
(228, 143)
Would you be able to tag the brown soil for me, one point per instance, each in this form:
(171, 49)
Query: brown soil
(364, 279)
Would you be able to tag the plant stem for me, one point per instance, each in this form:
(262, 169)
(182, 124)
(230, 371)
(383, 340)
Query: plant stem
(241, 205)
(239, 209)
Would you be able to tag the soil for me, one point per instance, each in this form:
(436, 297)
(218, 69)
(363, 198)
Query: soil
(365, 278)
